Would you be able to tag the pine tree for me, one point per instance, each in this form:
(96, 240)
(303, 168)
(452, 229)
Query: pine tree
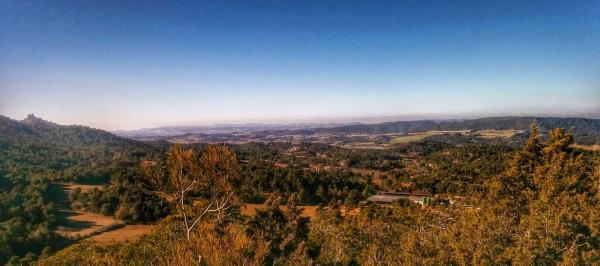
(512, 190)
(558, 227)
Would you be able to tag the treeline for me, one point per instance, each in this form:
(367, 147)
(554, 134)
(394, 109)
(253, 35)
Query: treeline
(463, 170)
(313, 187)
(128, 198)
(515, 141)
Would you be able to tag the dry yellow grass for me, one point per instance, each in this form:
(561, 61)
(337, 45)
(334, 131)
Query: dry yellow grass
(368, 146)
(586, 147)
(486, 134)
(281, 165)
(76, 224)
(70, 187)
(82, 224)
(492, 133)
(308, 210)
(413, 137)
(102, 229)
(129, 233)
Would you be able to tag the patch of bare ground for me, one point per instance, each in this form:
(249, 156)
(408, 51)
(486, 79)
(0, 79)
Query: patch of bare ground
(103, 229)
(78, 225)
(70, 187)
(281, 165)
(129, 233)
(308, 210)
(595, 147)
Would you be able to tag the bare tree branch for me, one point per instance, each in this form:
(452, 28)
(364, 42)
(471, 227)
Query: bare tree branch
(211, 174)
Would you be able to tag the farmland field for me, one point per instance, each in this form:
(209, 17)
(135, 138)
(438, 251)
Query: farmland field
(491, 133)
(413, 137)
(586, 147)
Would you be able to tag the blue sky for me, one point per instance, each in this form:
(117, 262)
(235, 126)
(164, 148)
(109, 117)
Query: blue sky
(130, 64)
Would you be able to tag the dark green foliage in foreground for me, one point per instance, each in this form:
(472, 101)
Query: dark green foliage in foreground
(283, 231)
(27, 220)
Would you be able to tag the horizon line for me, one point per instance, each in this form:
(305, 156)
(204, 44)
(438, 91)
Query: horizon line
(590, 114)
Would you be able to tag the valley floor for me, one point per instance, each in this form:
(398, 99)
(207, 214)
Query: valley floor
(102, 229)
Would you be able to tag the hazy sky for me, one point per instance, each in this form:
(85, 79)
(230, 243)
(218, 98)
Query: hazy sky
(130, 64)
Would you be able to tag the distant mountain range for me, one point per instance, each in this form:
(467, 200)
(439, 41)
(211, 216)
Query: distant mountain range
(586, 130)
(402, 123)
(171, 131)
(582, 126)
(33, 128)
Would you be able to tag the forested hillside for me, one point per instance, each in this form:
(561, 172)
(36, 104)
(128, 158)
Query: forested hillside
(586, 131)
(33, 153)
(37, 147)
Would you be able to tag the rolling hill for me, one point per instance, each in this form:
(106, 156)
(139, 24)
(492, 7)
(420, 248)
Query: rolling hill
(34, 146)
